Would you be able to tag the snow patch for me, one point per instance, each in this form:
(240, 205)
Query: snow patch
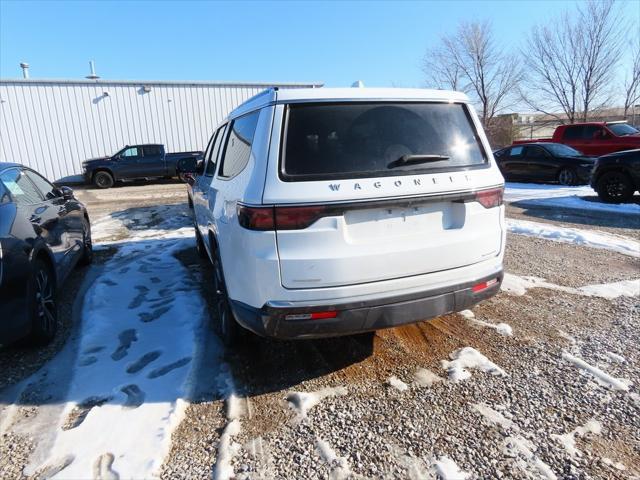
(447, 469)
(601, 377)
(523, 451)
(503, 329)
(575, 236)
(568, 440)
(468, 358)
(494, 416)
(616, 358)
(396, 383)
(339, 466)
(426, 378)
(302, 402)
(517, 285)
(227, 449)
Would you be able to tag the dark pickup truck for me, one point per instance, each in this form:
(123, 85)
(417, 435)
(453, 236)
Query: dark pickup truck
(134, 162)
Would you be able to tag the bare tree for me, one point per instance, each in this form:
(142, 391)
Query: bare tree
(571, 63)
(470, 61)
(632, 81)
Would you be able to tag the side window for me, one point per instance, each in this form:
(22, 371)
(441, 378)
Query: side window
(22, 190)
(591, 131)
(535, 152)
(572, 133)
(42, 184)
(516, 151)
(238, 148)
(152, 150)
(131, 152)
(210, 169)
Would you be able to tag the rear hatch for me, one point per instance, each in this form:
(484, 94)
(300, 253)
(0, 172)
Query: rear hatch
(381, 191)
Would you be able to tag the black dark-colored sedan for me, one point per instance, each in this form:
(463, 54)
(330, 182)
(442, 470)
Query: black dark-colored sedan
(544, 162)
(44, 233)
(616, 177)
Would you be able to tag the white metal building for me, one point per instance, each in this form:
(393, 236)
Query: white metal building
(53, 125)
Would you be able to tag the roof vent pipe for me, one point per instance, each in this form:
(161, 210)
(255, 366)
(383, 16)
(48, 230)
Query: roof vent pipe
(92, 68)
(25, 69)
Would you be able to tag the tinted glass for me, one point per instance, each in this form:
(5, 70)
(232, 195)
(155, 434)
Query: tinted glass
(152, 150)
(43, 185)
(131, 152)
(213, 153)
(589, 131)
(622, 129)
(573, 133)
(238, 150)
(369, 139)
(22, 190)
(535, 152)
(562, 150)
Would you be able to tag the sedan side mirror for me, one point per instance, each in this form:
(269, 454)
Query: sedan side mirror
(67, 193)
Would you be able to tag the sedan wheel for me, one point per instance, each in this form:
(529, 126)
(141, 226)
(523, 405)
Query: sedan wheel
(42, 304)
(615, 187)
(567, 177)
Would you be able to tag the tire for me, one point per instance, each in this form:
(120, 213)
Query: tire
(87, 244)
(103, 179)
(200, 244)
(42, 304)
(615, 187)
(230, 331)
(567, 177)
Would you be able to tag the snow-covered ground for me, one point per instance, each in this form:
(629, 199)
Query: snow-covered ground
(563, 197)
(127, 385)
(576, 236)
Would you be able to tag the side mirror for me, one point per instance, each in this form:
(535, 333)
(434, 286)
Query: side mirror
(67, 193)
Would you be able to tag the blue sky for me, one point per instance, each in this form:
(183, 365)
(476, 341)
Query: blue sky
(381, 43)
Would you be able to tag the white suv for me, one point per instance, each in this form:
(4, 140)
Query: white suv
(333, 211)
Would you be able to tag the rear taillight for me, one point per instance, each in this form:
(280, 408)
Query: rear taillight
(256, 218)
(312, 316)
(280, 218)
(490, 198)
(296, 218)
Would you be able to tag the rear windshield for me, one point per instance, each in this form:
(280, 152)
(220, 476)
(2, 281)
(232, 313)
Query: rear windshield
(329, 141)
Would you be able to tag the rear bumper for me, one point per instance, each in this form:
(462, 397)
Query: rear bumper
(364, 316)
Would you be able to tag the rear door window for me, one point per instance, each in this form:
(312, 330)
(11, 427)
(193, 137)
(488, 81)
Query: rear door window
(213, 153)
(152, 150)
(239, 142)
(573, 132)
(516, 151)
(358, 139)
(21, 188)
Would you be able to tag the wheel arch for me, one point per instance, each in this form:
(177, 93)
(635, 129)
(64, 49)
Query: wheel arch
(41, 252)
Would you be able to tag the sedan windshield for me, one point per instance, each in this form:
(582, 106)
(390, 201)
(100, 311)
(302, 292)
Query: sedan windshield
(560, 150)
(622, 129)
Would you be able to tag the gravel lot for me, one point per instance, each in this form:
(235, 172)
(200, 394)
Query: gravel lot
(383, 406)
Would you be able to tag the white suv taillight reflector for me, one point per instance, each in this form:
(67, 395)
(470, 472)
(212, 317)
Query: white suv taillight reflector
(279, 218)
(490, 198)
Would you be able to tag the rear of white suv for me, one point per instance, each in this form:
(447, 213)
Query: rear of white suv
(355, 210)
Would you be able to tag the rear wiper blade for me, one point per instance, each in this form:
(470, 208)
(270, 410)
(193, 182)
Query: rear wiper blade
(415, 159)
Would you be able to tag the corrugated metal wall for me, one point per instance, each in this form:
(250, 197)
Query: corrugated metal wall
(52, 126)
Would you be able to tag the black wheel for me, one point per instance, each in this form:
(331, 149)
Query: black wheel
(568, 177)
(615, 187)
(200, 244)
(43, 305)
(87, 244)
(103, 180)
(190, 201)
(229, 329)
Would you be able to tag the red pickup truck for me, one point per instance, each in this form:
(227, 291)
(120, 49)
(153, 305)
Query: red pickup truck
(595, 138)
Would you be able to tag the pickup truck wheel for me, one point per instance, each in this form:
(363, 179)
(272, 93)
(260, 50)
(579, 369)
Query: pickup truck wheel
(615, 187)
(229, 328)
(43, 305)
(103, 180)
(568, 177)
